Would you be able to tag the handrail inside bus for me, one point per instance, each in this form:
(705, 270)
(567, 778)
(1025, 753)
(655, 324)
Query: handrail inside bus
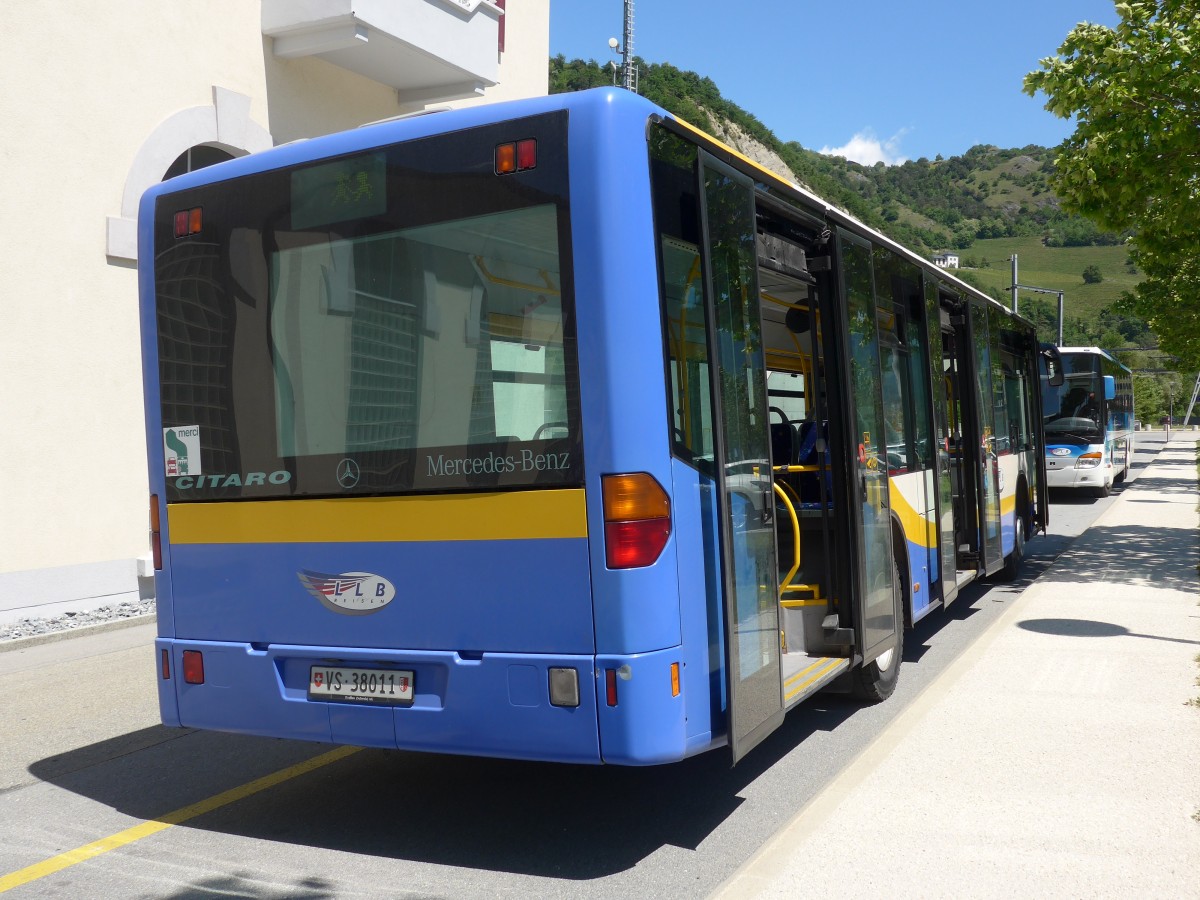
(786, 585)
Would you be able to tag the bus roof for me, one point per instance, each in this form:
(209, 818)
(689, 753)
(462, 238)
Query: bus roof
(416, 126)
(1096, 351)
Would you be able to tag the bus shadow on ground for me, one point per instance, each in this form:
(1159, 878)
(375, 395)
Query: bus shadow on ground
(569, 822)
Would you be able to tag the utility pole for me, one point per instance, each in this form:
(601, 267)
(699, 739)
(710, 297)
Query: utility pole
(1036, 290)
(1013, 260)
(1192, 403)
(629, 73)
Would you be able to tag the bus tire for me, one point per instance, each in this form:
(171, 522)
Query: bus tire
(1014, 560)
(1103, 491)
(876, 681)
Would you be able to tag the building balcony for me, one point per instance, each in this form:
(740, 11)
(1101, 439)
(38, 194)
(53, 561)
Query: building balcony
(428, 50)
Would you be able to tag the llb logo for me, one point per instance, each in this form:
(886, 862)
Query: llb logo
(350, 593)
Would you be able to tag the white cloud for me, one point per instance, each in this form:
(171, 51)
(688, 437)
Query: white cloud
(867, 149)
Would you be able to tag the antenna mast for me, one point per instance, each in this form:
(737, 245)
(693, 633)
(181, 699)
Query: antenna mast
(629, 74)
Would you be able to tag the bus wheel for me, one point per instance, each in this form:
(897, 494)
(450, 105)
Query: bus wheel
(875, 681)
(1012, 564)
(1103, 490)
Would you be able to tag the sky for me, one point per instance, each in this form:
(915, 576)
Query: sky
(866, 79)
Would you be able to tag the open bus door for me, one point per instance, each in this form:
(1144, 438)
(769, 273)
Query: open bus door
(1046, 364)
(878, 615)
(742, 457)
(977, 472)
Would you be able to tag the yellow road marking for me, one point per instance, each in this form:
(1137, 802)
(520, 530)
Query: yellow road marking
(137, 832)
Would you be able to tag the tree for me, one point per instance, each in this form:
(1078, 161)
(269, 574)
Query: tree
(1133, 161)
(1092, 275)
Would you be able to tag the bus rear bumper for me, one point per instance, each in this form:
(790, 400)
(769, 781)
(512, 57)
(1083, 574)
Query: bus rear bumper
(489, 704)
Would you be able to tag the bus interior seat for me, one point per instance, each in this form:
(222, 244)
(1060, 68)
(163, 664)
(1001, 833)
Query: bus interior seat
(783, 443)
(808, 483)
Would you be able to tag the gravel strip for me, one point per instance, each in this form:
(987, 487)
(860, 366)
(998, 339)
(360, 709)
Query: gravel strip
(72, 620)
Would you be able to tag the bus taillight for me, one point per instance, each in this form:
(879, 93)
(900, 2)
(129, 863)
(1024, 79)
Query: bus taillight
(189, 221)
(193, 667)
(155, 533)
(516, 157)
(637, 520)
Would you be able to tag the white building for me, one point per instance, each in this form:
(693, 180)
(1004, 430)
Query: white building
(946, 260)
(99, 102)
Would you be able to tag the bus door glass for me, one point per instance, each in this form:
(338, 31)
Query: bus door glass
(874, 563)
(945, 490)
(743, 462)
(989, 447)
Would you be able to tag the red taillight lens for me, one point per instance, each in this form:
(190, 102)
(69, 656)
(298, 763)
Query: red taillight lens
(193, 667)
(166, 665)
(637, 520)
(506, 158)
(526, 155)
(155, 535)
(181, 224)
(610, 686)
(629, 545)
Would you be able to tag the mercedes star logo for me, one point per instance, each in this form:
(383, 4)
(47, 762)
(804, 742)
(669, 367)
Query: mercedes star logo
(347, 473)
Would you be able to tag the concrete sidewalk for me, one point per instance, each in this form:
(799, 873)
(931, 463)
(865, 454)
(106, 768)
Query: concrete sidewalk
(1059, 757)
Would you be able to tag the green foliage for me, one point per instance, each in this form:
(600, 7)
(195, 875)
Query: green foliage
(1092, 275)
(1133, 160)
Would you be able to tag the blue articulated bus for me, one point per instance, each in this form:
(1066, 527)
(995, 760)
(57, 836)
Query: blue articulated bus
(1088, 421)
(558, 430)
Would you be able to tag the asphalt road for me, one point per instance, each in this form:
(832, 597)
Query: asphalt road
(83, 759)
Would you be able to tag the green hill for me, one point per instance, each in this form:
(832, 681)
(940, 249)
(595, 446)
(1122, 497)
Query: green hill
(985, 205)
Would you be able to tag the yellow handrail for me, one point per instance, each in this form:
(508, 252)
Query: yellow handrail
(786, 585)
(779, 492)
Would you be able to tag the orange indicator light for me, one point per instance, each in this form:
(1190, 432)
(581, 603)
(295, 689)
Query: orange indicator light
(506, 159)
(674, 679)
(195, 220)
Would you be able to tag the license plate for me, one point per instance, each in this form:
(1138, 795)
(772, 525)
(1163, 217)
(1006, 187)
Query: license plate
(343, 685)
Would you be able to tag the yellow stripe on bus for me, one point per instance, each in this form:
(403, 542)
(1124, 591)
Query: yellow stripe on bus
(737, 154)
(512, 515)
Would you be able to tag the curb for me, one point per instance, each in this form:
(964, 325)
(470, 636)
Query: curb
(35, 640)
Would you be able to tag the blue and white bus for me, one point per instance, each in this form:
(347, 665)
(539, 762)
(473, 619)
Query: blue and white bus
(559, 430)
(1089, 421)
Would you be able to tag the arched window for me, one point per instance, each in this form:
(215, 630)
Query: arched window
(197, 157)
(194, 138)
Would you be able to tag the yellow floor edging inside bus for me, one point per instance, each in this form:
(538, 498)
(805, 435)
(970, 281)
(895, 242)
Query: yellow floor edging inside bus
(822, 668)
(179, 816)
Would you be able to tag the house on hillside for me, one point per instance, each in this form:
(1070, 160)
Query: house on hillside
(946, 260)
